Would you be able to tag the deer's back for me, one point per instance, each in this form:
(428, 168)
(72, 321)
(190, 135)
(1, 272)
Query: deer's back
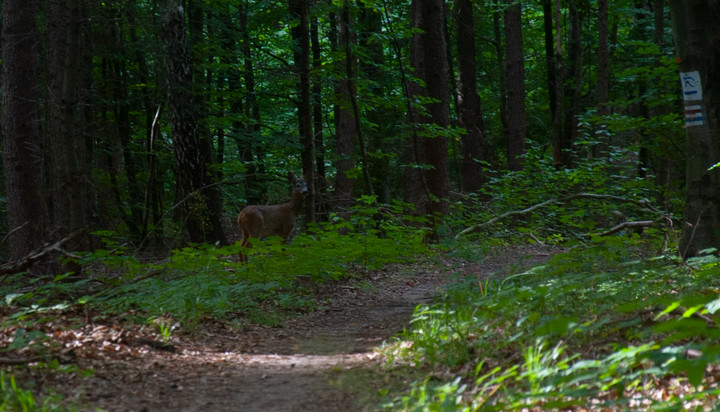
(266, 220)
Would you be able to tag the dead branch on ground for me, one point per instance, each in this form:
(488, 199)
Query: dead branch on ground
(641, 203)
(37, 254)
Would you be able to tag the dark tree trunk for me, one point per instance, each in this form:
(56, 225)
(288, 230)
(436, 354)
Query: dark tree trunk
(345, 125)
(301, 52)
(415, 189)
(69, 202)
(515, 66)
(372, 69)
(697, 43)
(436, 87)
(560, 157)
(603, 77)
(603, 83)
(198, 192)
(21, 149)
(572, 86)
(322, 201)
(497, 31)
(554, 96)
(251, 152)
(474, 145)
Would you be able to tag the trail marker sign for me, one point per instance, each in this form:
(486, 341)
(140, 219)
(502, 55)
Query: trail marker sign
(691, 86)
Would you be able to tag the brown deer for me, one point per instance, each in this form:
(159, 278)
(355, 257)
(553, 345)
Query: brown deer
(261, 221)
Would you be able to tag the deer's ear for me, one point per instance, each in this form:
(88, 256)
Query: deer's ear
(291, 177)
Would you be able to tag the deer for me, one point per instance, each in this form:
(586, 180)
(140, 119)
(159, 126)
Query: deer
(261, 221)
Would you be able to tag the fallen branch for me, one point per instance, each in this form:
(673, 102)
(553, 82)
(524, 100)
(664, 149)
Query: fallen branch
(642, 203)
(20, 361)
(623, 225)
(22, 264)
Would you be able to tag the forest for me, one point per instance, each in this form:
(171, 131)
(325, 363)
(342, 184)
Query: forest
(427, 136)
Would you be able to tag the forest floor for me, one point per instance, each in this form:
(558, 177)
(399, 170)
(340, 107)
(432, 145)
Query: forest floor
(325, 360)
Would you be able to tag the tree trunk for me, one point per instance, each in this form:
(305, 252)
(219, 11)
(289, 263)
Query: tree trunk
(559, 155)
(572, 86)
(697, 43)
(248, 134)
(603, 78)
(301, 52)
(372, 67)
(515, 65)
(198, 192)
(70, 206)
(415, 188)
(475, 147)
(345, 130)
(21, 149)
(550, 64)
(497, 31)
(436, 87)
(317, 109)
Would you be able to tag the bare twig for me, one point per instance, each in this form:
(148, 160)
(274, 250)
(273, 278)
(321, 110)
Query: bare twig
(13, 231)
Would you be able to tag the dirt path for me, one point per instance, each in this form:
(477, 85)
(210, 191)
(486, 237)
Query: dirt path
(323, 361)
(315, 363)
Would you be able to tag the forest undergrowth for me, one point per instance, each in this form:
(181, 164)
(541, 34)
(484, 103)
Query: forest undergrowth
(618, 320)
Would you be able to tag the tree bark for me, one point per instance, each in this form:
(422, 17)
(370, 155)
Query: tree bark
(572, 86)
(248, 134)
(697, 44)
(415, 188)
(515, 67)
(436, 86)
(345, 126)
(474, 145)
(550, 64)
(21, 151)
(69, 201)
(300, 34)
(321, 197)
(603, 77)
(197, 191)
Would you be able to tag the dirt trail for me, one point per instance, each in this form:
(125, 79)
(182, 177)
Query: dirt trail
(323, 361)
(309, 364)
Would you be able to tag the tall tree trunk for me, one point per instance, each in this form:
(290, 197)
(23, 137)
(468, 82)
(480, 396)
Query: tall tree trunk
(69, 197)
(436, 86)
(697, 44)
(372, 68)
(667, 172)
(415, 189)
(346, 130)
(198, 192)
(474, 145)
(21, 149)
(320, 178)
(603, 83)
(572, 85)
(554, 96)
(560, 157)
(497, 31)
(251, 151)
(515, 65)
(301, 52)
(603, 78)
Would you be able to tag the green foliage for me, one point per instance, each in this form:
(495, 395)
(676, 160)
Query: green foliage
(202, 282)
(558, 222)
(15, 398)
(600, 325)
